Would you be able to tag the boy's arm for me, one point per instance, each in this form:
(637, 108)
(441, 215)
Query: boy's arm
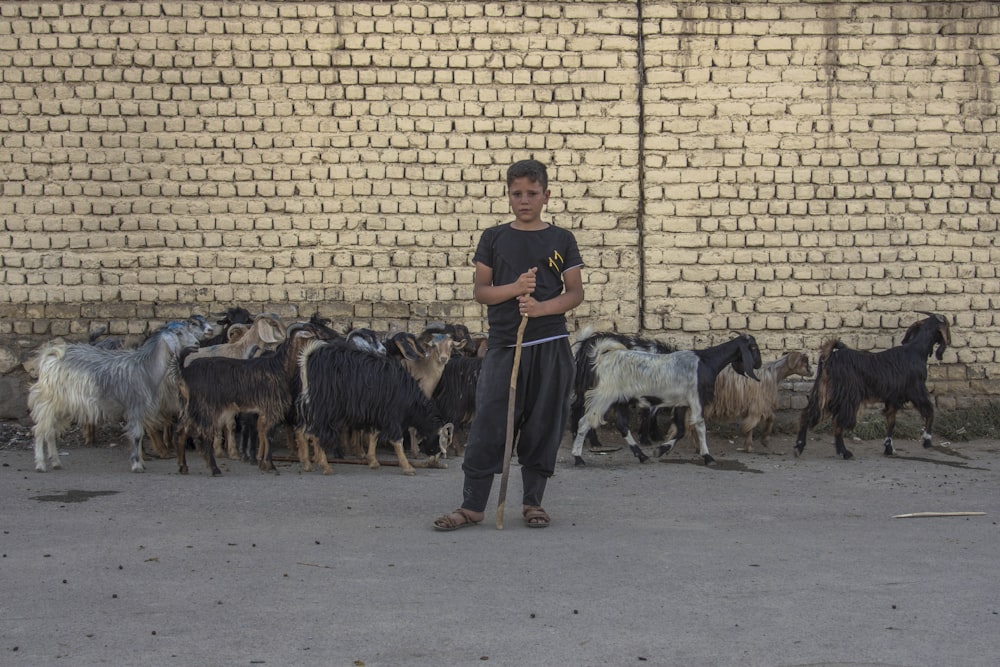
(571, 297)
(488, 294)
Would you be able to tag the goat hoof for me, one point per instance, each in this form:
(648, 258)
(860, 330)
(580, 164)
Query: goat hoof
(797, 451)
(662, 450)
(642, 458)
(848, 454)
(578, 461)
(709, 461)
(216, 472)
(889, 451)
(182, 470)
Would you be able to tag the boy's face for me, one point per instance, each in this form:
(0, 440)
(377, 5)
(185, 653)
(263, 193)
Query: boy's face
(527, 199)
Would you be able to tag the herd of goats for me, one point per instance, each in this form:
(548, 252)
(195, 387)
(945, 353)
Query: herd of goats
(221, 388)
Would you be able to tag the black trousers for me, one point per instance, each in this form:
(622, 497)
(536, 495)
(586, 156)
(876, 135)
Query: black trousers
(544, 383)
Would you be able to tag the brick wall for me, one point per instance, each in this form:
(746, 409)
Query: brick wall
(795, 170)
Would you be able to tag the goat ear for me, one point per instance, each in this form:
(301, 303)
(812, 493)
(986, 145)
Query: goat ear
(943, 340)
(407, 347)
(268, 332)
(749, 361)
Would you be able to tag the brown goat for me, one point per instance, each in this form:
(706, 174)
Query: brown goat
(738, 398)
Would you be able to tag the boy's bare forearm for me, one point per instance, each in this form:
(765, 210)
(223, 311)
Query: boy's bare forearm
(491, 295)
(559, 305)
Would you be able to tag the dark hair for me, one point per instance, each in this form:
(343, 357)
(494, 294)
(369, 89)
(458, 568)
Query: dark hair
(532, 169)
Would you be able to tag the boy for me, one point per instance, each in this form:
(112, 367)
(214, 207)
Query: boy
(530, 268)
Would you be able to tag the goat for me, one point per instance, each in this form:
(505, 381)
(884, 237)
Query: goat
(345, 388)
(88, 384)
(428, 368)
(465, 344)
(737, 398)
(685, 378)
(246, 423)
(108, 342)
(455, 395)
(214, 389)
(848, 379)
(366, 339)
(265, 332)
(425, 357)
(233, 315)
(586, 378)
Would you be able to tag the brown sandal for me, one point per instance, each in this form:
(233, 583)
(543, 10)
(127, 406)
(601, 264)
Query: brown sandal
(536, 517)
(445, 522)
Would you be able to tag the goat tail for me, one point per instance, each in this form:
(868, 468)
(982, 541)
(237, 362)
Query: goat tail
(816, 404)
(304, 354)
(604, 346)
(581, 336)
(60, 395)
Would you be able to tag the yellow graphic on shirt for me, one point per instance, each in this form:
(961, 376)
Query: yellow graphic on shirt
(556, 262)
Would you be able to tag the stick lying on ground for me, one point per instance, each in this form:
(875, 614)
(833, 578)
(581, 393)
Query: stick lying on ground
(923, 515)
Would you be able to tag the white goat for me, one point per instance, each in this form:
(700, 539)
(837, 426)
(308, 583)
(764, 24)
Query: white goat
(682, 379)
(739, 399)
(82, 383)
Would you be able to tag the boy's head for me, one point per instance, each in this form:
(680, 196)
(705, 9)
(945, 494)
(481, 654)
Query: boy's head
(533, 170)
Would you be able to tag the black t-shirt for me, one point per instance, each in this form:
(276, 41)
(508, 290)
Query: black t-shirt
(510, 252)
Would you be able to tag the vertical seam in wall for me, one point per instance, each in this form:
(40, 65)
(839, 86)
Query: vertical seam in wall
(641, 203)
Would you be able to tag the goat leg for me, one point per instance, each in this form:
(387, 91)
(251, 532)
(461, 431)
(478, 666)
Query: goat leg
(679, 429)
(209, 455)
(634, 446)
(581, 434)
(397, 446)
(838, 442)
(699, 427)
(890, 427)
(136, 450)
(264, 461)
(926, 408)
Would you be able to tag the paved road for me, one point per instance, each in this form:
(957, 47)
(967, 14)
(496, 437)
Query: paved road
(764, 560)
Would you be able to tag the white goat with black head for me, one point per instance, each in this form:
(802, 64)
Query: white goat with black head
(683, 380)
(586, 377)
(848, 379)
(82, 383)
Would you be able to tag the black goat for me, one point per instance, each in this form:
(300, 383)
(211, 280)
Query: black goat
(586, 378)
(214, 389)
(346, 388)
(685, 378)
(848, 379)
(455, 395)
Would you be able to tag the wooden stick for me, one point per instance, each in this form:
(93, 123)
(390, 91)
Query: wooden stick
(923, 515)
(508, 447)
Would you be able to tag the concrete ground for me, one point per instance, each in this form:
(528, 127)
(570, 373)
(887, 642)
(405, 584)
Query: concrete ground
(765, 559)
